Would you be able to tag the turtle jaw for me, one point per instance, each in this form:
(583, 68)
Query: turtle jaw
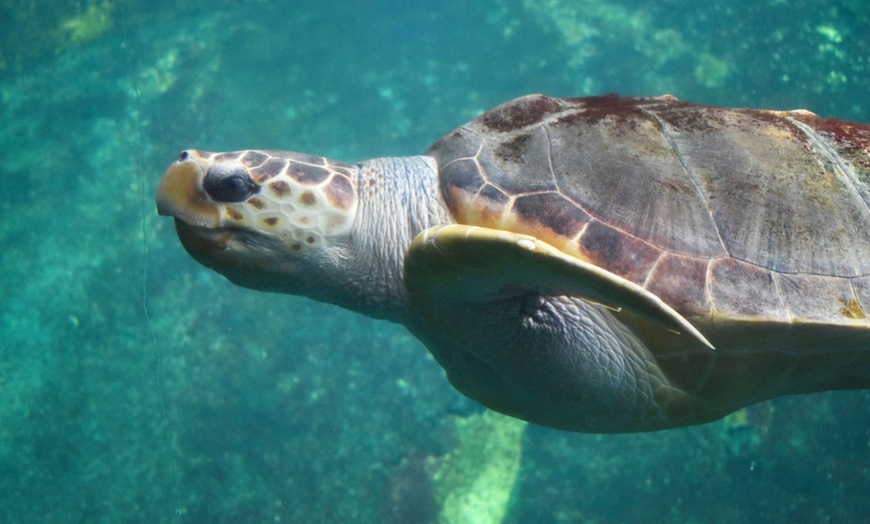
(246, 259)
(181, 195)
(203, 243)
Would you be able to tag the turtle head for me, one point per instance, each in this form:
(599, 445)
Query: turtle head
(260, 217)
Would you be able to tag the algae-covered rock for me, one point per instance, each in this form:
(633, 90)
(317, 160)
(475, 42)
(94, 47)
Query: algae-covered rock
(474, 482)
(94, 21)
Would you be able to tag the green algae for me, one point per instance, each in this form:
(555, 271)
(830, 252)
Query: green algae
(593, 27)
(474, 482)
(95, 20)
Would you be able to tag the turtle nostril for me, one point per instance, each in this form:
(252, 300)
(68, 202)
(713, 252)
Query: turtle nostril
(184, 156)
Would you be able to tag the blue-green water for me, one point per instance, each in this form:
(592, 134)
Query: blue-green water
(135, 386)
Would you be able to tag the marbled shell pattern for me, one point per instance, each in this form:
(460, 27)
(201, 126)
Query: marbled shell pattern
(724, 213)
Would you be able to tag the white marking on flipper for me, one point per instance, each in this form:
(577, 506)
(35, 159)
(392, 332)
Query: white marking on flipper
(525, 243)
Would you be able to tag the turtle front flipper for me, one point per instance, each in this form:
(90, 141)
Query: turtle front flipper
(468, 264)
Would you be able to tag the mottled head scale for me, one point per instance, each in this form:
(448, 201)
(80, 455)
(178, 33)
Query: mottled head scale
(297, 200)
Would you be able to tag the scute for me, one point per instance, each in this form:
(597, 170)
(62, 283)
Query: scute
(777, 191)
(626, 256)
(551, 211)
(748, 291)
(522, 112)
(528, 149)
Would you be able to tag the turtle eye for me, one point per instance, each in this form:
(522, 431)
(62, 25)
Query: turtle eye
(229, 182)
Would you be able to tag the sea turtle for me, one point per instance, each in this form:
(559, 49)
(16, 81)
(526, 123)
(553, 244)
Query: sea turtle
(602, 264)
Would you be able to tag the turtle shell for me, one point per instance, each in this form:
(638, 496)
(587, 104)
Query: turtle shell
(723, 213)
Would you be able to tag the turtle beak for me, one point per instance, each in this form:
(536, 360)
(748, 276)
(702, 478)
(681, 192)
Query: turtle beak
(181, 194)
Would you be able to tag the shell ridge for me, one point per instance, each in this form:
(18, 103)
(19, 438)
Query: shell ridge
(855, 300)
(478, 136)
(841, 168)
(775, 277)
(690, 172)
(784, 272)
(652, 270)
(708, 285)
(550, 163)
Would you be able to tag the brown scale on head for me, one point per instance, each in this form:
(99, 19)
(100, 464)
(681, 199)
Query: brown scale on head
(297, 199)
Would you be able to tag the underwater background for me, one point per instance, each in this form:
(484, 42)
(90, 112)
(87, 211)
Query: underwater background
(137, 386)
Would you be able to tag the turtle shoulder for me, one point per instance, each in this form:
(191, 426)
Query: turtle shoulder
(729, 213)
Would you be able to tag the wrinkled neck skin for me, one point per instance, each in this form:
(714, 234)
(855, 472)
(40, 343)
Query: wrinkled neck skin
(399, 198)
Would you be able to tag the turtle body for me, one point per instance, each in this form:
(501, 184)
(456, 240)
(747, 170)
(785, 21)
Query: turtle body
(595, 264)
